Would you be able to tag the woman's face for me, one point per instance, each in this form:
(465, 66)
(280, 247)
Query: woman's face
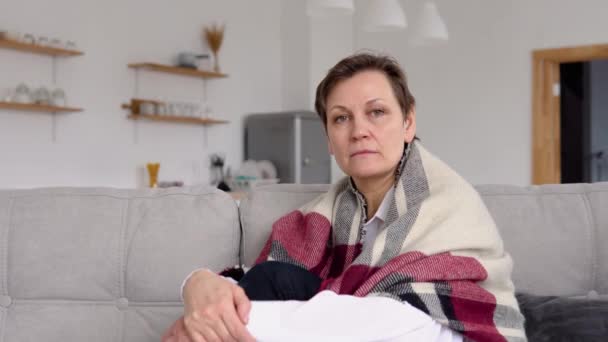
(365, 126)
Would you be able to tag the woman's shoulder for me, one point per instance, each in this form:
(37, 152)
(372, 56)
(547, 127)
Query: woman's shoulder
(441, 177)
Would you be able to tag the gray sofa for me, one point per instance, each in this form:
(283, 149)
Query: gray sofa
(106, 264)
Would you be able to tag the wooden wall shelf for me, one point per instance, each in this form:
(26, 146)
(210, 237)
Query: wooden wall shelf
(37, 49)
(178, 119)
(177, 70)
(31, 107)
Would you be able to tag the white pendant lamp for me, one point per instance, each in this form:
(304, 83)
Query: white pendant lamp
(431, 28)
(384, 15)
(328, 8)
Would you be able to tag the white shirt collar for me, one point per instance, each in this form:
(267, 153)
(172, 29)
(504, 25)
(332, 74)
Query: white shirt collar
(380, 214)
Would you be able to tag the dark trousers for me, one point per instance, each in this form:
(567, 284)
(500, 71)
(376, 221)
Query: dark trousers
(273, 280)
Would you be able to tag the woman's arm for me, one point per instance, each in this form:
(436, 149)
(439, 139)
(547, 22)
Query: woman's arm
(215, 309)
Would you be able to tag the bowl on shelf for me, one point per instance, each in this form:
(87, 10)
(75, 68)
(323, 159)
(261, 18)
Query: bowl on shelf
(189, 60)
(245, 183)
(41, 96)
(22, 94)
(148, 108)
(58, 98)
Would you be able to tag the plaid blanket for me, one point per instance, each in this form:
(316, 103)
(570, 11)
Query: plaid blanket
(438, 250)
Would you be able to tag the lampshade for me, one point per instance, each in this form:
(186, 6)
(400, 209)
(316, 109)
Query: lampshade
(384, 15)
(327, 8)
(431, 28)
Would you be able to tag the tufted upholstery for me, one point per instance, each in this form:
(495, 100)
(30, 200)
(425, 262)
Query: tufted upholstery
(556, 234)
(106, 264)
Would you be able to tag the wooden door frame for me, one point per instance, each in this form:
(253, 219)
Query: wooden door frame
(546, 136)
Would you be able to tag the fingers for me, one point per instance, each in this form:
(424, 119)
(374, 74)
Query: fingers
(169, 335)
(236, 328)
(180, 334)
(220, 329)
(183, 338)
(242, 303)
(209, 335)
(209, 326)
(194, 336)
(220, 317)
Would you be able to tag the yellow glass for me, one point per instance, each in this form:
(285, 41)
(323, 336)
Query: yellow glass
(153, 173)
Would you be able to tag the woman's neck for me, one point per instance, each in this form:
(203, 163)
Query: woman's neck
(374, 191)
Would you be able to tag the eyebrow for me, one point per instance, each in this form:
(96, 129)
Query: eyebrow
(344, 108)
(337, 107)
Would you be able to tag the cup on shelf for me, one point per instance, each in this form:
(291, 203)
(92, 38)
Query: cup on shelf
(184, 109)
(207, 110)
(187, 109)
(41, 96)
(42, 41)
(192, 109)
(161, 109)
(29, 38)
(56, 43)
(177, 109)
(58, 98)
(70, 45)
(171, 109)
(22, 94)
(12, 35)
(7, 95)
(147, 108)
(196, 110)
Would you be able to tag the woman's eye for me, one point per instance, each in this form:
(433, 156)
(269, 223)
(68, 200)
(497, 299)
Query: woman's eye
(340, 118)
(378, 112)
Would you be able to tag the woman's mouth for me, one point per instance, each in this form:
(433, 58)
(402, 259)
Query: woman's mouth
(362, 153)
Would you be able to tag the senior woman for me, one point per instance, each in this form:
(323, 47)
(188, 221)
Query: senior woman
(401, 249)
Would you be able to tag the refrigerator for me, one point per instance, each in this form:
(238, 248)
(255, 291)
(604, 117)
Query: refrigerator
(295, 142)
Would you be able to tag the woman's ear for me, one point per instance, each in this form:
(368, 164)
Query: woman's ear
(410, 126)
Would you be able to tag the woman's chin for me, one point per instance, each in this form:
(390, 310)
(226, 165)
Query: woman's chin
(366, 173)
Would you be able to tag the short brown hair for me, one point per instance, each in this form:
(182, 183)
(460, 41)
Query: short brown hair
(364, 61)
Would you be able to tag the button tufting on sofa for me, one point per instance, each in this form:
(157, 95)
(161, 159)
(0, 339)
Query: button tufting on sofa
(107, 261)
(122, 303)
(5, 301)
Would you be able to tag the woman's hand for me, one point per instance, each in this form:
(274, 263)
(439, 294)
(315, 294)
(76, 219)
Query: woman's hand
(177, 332)
(215, 309)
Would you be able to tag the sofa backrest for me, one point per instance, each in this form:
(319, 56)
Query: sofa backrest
(106, 264)
(556, 234)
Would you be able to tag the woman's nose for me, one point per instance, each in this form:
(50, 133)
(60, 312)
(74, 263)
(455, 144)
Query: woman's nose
(360, 129)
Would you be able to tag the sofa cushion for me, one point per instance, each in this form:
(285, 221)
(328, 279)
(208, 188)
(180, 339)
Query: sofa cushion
(106, 261)
(556, 234)
(549, 232)
(555, 319)
(598, 204)
(265, 205)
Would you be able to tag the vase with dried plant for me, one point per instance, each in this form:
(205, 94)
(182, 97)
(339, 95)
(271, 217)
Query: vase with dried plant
(214, 35)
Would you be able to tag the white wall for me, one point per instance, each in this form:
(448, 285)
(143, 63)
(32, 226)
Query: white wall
(331, 40)
(474, 93)
(97, 147)
(295, 55)
(310, 47)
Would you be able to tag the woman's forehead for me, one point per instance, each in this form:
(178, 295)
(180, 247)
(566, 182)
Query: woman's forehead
(365, 87)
